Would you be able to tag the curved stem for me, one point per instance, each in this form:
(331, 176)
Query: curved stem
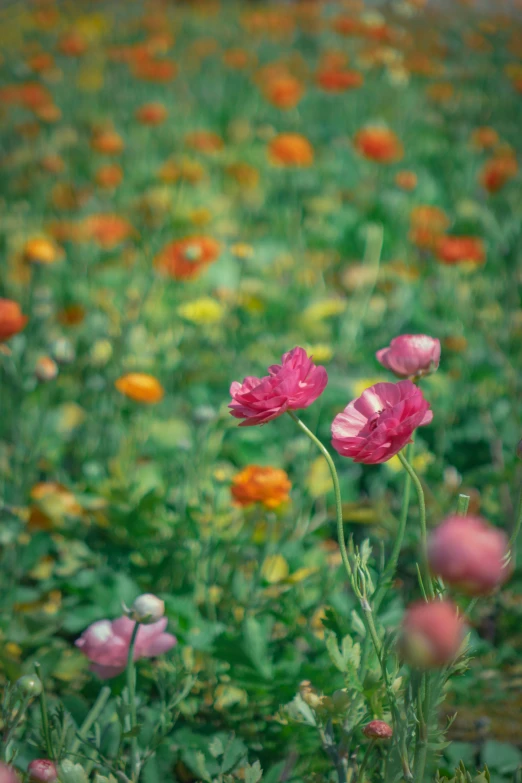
(362, 768)
(131, 687)
(422, 512)
(93, 715)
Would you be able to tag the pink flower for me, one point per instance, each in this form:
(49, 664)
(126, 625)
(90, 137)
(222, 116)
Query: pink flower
(469, 554)
(380, 422)
(8, 774)
(432, 634)
(411, 355)
(42, 771)
(289, 386)
(106, 644)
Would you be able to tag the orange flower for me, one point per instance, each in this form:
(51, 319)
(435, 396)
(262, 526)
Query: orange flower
(29, 94)
(334, 80)
(291, 149)
(484, 138)
(347, 25)
(427, 224)
(442, 92)
(265, 485)
(406, 180)
(152, 113)
(151, 70)
(460, 249)
(52, 503)
(497, 171)
(107, 230)
(204, 141)
(333, 60)
(72, 45)
(378, 144)
(41, 250)
(140, 387)
(109, 176)
(185, 259)
(283, 92)
(188, 170)
(72, 315)
(107, 142)
(53, 164)
(41, 62)
(12, 320)
(237, 59)
(244, 174)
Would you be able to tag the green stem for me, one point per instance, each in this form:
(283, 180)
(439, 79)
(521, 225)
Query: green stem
(422, 512)
(92, 717)
(516, 529)
(421, 750)
(44, 716)
(462, 505)
(131, 687)
(362, 768)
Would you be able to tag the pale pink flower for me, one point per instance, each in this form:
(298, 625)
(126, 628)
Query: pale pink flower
(106, 644)
(411, 355)
(432, 633)
(377, 425)
(469, 554)
(289, 386)
(8, 774)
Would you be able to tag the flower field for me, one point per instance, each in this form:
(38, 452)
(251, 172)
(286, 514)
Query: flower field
(260, 342)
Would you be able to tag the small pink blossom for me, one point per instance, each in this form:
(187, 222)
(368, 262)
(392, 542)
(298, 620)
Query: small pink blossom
(377, 425)
(42, 771)
(106, 644)
(378, 730)
(469, 554)
(432, 634)
(411, 355)
(289, 386)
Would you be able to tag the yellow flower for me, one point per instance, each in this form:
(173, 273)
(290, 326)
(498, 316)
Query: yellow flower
(324, 308)
(203, 312)
(319, 480)
(275, 569)
(140, 387)
(320, 352)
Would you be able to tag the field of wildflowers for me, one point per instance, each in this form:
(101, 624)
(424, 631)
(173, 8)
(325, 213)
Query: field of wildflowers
(261, 433)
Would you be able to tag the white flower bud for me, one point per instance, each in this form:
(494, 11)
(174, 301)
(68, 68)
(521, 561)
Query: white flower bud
(147, 608)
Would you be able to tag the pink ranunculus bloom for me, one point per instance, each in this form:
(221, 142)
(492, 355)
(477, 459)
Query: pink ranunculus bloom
(377, 425)
(411, 355)
(289, 386)
(106, 644)
(469, 554)
(432, 634)
(42, 771)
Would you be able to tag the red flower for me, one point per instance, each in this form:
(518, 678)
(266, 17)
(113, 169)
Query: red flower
(12, 320)
(456, 250)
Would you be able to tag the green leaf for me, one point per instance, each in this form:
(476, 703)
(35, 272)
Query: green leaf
(253, 772)
(255, 646)
(501, 756)
(216, 747)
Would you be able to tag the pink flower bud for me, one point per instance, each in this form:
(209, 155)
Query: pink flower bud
(469, 554)
(411, 355)
(42, 771)
(8, 775)
(432, 634)
(378, 730)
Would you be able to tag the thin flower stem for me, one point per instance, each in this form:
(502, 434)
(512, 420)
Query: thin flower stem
(44, 716)
(516, 529)
(364, 762)
(422, 511)
(131, 687)
(93, 715)
(462, 505)
(421, 750)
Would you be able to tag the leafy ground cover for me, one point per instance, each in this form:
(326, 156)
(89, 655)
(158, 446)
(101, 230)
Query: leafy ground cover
(188, 191)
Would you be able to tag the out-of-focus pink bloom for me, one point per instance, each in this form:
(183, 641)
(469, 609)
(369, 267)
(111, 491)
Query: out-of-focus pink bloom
(432, 634)
(469, 554)
(106, 644)
(289, 386)
(378, 730)
(8, 774)
(42, 771)
(377, 425)
(411, 355)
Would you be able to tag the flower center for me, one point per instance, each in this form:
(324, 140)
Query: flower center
(193, 253)
(373, 421)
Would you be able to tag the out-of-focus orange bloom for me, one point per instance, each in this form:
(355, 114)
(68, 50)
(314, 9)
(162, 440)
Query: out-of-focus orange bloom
(477, 42)
(41, 62)
(72, 315)
(185, 259)
(40, 250)
(53, 164)
(255, 484)
(52, 502)
(441, 92)
(238, 59)
(290, 149)
(276, 23)
(347, 25)
(29, 94)
(284, 92)
(484, 138)
(460, 249)
(46, 17)
(333, 80)
(140, 387)
(109, 176)
(107, 230)
(204, 141)
(244, 174)
(149, 69)
(72, 45)
(152, 113)
(12, 320)
(190, 171)
(497, 171)
(66, 196)
(406, 180)
(427, 224)
(48, 112)
(107, 142)
(333, 60)
(378, 144)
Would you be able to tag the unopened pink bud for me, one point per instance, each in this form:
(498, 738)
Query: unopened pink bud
(378, 730)
(411, 355)
(42, 771)
(432, 634)
(469, 554)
